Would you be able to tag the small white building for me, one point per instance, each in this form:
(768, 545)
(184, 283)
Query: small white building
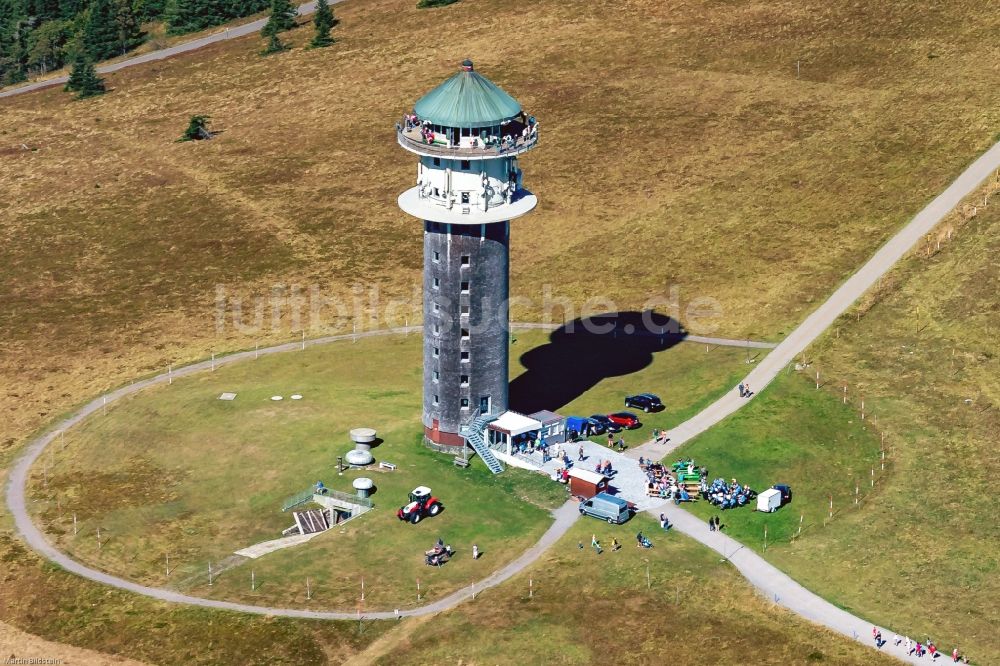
(512, 428)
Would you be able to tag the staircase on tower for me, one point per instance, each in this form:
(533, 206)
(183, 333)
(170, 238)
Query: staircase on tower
(473, 434)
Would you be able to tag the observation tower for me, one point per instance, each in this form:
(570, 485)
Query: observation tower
(467, 134)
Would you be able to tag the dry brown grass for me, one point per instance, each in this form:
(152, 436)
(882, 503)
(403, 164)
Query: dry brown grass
(678, 148)
(922, 557)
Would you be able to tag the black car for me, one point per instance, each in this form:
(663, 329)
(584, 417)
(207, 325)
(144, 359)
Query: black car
(786, 493)
(647, 402)
(607, 424)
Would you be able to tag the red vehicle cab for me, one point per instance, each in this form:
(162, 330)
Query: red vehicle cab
(625, 419)
(422, 503)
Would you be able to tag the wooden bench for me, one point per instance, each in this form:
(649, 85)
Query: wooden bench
(386, 465)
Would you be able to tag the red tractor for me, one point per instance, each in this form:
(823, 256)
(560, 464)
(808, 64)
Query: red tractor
(422, 503)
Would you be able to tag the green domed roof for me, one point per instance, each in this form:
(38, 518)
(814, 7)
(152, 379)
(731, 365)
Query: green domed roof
(467, 100)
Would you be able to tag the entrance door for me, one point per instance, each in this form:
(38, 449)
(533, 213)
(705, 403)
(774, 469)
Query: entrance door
(435, 430)
(455, 136)
(484, 405)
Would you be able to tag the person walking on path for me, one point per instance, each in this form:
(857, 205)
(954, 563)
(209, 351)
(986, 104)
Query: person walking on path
(717, 527)
(742, 390)
(596, 544)
(711, 523)
(475, 552)
(580, 453)
(746, 391)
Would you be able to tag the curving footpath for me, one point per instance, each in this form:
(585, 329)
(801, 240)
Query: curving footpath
(762, 575)
(162, 54)
(778, 586)
(821, 318)
(16, 501)
(768, 580)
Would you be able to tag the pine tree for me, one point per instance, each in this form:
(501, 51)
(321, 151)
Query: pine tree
(324, 22)
(83, 78)
(110, 29)
(282, 18)
(197, 129)
(274, 45)
(184, 16)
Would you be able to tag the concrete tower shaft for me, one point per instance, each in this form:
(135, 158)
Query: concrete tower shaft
(468, 134)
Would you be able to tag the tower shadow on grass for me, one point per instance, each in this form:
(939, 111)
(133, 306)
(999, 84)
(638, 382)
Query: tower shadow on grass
(584, 351)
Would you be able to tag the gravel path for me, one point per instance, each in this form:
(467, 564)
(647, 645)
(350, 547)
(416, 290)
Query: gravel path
(816, 323)
(766, 578)
(34, 537)
(777, 586)
(162, 54)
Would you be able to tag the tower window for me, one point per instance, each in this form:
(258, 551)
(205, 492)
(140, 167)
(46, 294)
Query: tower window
(465, 286)
(437, 256)
(437, 282)
(465, 197)
(435, 399)
(464, 309)
(437, 161)
(437, 375)
(465, 333)
(465, 356)
(465, 403)
(437, 352)
(437, 329)
(465, 260)
(437, 308)
(465, 165)
(464, 380)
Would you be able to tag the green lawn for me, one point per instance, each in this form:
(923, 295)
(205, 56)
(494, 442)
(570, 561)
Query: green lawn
(687, 377)
(175, 471)
(674, 603)
(793, 434)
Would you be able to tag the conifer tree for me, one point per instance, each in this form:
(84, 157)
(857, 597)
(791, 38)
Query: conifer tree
(324, 22)
(184, 16)
(282, 18)
(274, 45)
(83, 79)
(109, 29)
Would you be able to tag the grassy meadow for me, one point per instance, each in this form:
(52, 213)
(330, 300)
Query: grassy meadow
(917, 554)
(176, 472)
(735, 175)
(676, 601)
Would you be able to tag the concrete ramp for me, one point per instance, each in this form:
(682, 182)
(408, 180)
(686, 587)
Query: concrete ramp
(265, 547)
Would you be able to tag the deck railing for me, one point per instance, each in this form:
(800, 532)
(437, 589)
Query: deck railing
(520, 145)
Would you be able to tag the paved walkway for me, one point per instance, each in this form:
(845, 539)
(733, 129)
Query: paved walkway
(777, 586)
(845, 295)
(761, 574)
(628, 481)
(224, 34)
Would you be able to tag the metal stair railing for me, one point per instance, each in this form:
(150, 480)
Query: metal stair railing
(307, 495)
(473, 434)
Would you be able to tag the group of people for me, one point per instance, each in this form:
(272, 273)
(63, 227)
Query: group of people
(728, 495)
(506, 142)
(666, 484)
(619, 445)
(604, 467)
(916, 648)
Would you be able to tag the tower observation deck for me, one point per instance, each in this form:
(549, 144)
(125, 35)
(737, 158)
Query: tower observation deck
(468, 135)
